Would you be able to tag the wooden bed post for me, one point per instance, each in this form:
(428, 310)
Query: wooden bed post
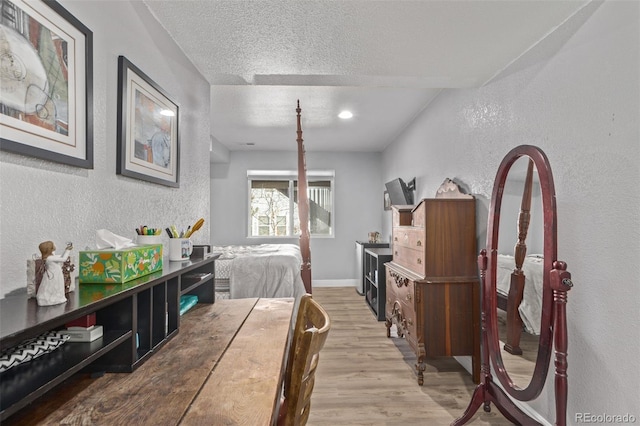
(516, 289)
(303, 210)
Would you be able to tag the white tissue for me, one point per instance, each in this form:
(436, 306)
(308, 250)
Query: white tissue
(107, 239)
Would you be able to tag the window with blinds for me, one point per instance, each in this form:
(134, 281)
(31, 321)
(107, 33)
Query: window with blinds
(273, 203)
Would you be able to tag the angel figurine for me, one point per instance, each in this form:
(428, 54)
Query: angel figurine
(50, 278)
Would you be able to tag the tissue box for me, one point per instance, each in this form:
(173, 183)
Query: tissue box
(119, 266)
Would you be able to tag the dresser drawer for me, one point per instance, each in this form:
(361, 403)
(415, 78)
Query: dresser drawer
(408, 237)
(412, 259)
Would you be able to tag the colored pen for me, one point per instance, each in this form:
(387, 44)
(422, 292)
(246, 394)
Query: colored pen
(169, 232)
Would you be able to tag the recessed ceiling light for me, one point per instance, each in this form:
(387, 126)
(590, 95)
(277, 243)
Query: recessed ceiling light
(345, 115)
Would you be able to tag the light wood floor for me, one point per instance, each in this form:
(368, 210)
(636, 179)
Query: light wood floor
(365, 378)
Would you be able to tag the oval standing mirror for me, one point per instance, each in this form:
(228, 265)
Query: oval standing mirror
(524, 290)
(533, 162)
(519, 272)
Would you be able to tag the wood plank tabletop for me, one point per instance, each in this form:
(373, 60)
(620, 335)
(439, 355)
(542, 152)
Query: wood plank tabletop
(243, 388)
(160, 391)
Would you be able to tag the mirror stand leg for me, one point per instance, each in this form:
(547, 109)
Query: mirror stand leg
(477, 399)
(481, 395)
(509, 410)
(487, 393)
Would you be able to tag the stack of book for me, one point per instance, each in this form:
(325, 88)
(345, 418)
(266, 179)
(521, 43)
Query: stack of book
(84, 329)
(84, 334)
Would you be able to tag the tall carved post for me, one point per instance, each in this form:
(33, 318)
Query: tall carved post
(303, 210)
(516, 287)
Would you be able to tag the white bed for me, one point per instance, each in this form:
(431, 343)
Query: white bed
(530, 310)
(263, 270)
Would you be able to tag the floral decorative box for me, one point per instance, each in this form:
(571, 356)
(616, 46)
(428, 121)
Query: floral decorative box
(119, 266)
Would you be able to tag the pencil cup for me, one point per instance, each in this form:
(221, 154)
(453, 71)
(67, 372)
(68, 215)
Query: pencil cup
(180, 249)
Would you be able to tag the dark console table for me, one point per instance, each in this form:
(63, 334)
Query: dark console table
(138, 317)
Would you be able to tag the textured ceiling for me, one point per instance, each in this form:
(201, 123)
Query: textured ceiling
(383, 60)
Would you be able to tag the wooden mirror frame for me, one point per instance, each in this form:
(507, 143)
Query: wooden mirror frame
(553, 328)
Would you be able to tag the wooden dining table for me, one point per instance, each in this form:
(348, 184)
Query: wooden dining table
(224, 367)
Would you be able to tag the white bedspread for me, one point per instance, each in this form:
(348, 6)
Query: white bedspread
(263, 270)
(530, 307)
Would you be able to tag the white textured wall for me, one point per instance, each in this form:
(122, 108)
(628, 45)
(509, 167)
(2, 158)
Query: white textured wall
(358, 201)
(47, 201)
(577, 97)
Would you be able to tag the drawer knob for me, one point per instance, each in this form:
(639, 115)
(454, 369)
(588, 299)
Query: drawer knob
(395, 238)
(419, 243)
(419, 261)
(409, 297)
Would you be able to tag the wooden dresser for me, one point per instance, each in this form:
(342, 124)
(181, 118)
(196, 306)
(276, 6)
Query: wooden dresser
(433, 289)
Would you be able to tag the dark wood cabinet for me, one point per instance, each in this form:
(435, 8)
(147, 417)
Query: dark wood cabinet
(138, 318)
(433, 290)
(375, 289)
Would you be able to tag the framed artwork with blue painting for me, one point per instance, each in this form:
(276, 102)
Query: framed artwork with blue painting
(148, 143)
(46, 72)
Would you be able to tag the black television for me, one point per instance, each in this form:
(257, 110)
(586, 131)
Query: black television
(399, 192)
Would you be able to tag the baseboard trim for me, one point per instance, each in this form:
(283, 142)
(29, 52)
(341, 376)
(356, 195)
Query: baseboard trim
(465, 361)
(335, 283)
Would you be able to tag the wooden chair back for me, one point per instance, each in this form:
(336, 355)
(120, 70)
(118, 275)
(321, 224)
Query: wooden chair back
(310, 333)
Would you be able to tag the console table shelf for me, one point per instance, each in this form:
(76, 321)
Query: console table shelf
(138, 317)
(49, 370)
(191, 281)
